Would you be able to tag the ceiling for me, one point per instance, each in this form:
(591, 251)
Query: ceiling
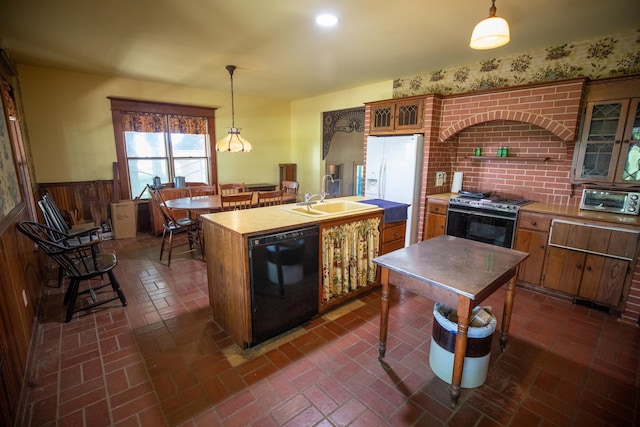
(276, 45)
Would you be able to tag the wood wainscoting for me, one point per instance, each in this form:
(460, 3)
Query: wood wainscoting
(89, 201)
(22, 277)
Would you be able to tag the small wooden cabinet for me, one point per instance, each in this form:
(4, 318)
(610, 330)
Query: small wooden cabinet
(396, 116)
(532, 234)
(436, 218)
(590, 261)
(393, 234)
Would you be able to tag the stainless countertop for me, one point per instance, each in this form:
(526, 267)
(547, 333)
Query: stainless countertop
(462, 266)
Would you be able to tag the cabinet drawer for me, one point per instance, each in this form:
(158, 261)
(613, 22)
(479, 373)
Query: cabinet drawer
(392, 246)
(394, 231)
(602, 240)
(437, 207)
(534, 221)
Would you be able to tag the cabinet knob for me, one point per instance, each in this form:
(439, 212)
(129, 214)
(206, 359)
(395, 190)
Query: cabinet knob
(534, 223)
(579, 266)
(588, 268)
(617, 141)
(395, 234)
(541, 246)
(626, 141)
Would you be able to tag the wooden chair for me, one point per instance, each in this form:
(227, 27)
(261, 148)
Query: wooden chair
(73, 236)
(202, 190)
(231, 188)
(183, 227)
(290, 191)
(54, 219)
(270, 198)
(79, 262)
(234, 202)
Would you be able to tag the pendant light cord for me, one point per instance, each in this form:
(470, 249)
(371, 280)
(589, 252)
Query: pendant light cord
(231, 69)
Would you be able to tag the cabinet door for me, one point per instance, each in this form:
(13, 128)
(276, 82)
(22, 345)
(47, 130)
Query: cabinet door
(535, 243)
(435, 225)
(408, 114)
(603, 279)
(382, 116)
(563, 270)
(601, 141)
(628, 168)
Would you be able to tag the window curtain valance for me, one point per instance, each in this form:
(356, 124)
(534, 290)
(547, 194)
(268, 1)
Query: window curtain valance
(144, 122)
(155, 122)
(188, 124)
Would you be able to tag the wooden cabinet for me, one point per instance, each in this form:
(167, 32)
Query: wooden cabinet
(396, 116)
(532, 234)
(608, 150)
(393, 234)
(288, 172)
(590, 261)
(436, 218)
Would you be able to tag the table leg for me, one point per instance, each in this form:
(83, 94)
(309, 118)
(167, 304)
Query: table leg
(506, 315)
(464, 312)
(384, 313)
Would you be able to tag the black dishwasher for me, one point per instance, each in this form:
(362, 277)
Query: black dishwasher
(284, 281)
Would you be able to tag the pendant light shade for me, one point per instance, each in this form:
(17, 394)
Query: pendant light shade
(233, 142)
(491, 32)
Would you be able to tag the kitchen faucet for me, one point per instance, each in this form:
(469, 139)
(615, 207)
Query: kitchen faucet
(324, 192)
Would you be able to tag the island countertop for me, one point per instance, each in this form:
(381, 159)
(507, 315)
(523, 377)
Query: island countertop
(272, 218)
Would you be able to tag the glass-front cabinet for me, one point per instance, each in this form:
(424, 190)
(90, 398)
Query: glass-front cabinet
(609, 149)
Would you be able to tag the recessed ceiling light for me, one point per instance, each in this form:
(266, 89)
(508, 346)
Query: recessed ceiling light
(326, 20)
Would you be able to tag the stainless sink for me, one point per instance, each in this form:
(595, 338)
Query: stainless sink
(329, 208)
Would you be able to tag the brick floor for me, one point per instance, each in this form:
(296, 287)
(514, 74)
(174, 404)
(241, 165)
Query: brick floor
(162, 360)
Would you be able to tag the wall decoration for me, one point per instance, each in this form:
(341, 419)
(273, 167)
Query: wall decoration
(9, 187)
(347, 120)
(611, 56)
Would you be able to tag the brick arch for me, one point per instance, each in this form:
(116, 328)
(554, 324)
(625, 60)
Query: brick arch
(555, 127)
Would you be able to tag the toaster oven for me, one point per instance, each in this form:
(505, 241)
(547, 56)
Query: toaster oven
(614, 201)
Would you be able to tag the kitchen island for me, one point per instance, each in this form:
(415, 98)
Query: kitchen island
(228, 237)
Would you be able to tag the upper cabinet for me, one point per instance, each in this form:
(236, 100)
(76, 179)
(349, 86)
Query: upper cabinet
(608, 150)
(396, 116)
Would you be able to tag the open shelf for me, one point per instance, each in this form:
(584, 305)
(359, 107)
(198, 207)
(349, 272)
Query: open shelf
(519, 158)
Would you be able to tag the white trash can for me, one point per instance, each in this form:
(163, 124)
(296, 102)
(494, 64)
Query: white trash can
(443, 340)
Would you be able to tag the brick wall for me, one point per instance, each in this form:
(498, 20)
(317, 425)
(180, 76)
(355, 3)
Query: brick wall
(539, 124)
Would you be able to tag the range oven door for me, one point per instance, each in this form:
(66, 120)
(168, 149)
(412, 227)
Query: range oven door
(482, 225)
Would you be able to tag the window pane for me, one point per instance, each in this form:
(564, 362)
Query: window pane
(145, 144)
(188, 145)
(142, 171)
(194, 170)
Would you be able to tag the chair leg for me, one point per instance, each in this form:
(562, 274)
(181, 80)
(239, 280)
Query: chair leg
(70, 298)
(170, 248)
(60, 276)
(115, 285)
(164, 233)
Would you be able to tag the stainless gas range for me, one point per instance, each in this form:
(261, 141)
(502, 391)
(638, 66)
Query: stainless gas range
(484, 217)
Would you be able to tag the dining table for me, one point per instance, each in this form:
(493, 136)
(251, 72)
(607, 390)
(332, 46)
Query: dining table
(199, 204)
(210, 203)
(456, 272)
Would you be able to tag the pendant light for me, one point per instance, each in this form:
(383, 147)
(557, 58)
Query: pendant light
(491, 32)
(233, 142)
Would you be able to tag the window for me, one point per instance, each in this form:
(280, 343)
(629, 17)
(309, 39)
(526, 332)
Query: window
(164, 140)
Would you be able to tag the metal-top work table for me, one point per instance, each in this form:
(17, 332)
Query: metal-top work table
(457, 272)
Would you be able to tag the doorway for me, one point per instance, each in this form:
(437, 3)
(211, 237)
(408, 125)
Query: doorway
(343, 150)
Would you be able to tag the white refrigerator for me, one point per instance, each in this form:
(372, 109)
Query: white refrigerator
(393, 167)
